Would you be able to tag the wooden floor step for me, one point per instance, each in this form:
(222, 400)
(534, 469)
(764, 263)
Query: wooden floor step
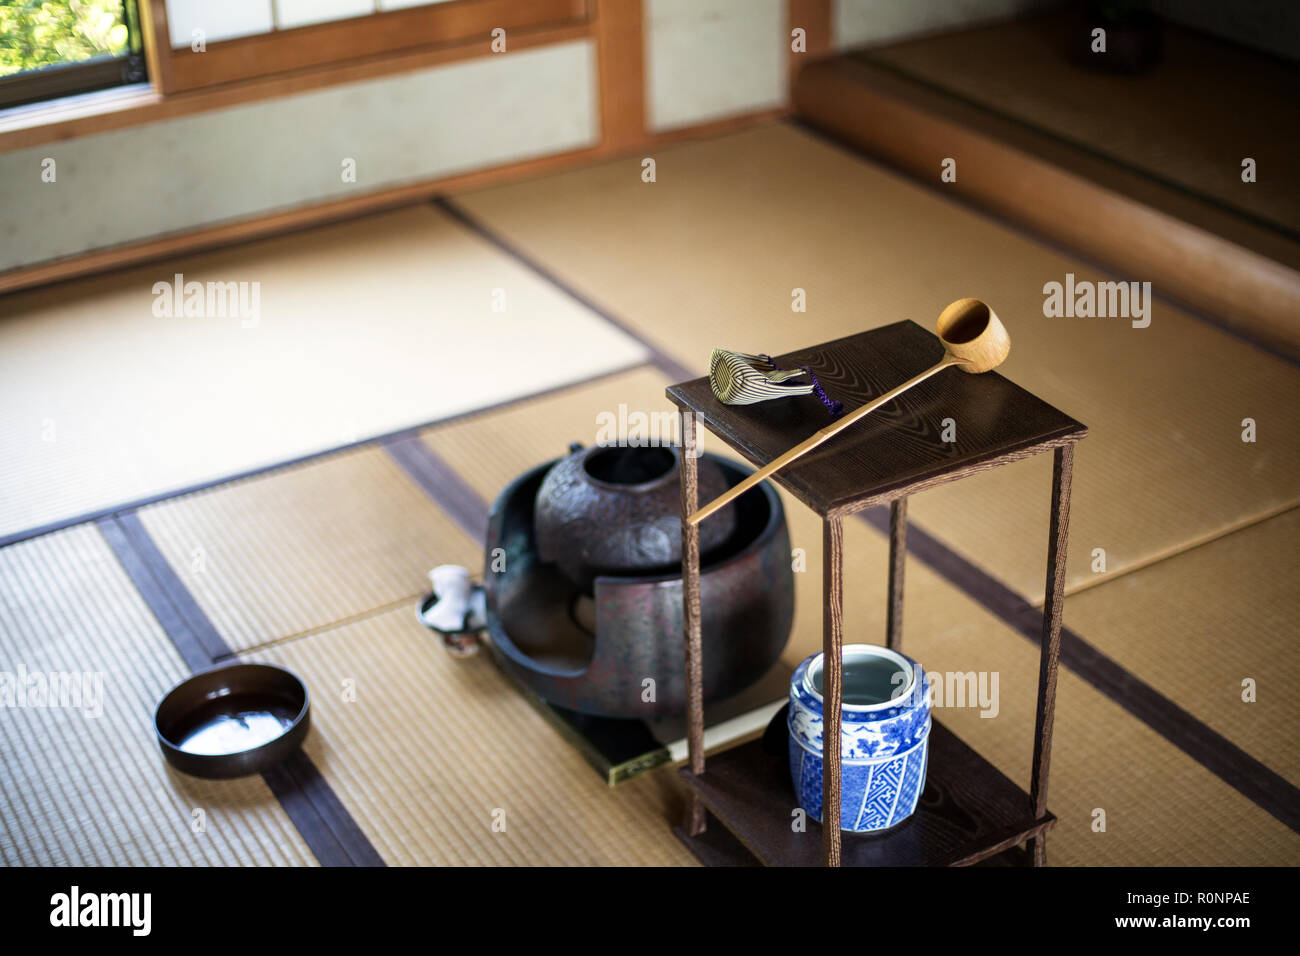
(1178, 216)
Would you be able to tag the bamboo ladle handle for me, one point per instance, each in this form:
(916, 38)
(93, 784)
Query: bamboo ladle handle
(973, 339)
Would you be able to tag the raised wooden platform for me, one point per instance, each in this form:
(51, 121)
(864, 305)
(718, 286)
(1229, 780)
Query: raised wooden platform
(1141, 174)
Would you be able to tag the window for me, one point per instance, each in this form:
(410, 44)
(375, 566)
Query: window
(255, 38)
(52, 48)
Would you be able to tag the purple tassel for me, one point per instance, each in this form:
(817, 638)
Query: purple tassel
(835, 408)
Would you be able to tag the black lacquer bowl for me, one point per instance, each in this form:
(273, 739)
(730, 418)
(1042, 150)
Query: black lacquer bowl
(618, 652)
(233, 720)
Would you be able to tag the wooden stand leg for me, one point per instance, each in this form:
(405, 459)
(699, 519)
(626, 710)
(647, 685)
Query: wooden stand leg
(695, 821)
(832, 683)
(897, 559)
(1051, 643)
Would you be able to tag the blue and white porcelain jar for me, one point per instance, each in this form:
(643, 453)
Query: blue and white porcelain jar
(884, 734)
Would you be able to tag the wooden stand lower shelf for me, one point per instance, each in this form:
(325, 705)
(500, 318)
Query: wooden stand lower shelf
(969, 811)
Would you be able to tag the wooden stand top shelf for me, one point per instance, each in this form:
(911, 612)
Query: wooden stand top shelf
(898, 448)
(968, 812)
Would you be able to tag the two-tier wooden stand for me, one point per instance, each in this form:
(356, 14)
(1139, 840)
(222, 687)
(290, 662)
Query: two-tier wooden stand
(969, 811)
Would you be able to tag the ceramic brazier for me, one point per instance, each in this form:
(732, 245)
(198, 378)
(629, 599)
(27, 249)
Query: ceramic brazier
(885, 728)
(593, 659)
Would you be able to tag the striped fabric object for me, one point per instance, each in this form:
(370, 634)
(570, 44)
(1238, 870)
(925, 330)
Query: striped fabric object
(741, 379)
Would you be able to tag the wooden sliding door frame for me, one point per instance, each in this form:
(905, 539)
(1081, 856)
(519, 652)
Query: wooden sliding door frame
(157, 43)
(620, 47)
(460, 22)
(815, 18)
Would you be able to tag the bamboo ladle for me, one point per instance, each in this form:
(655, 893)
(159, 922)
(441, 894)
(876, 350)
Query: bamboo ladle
(973, 339)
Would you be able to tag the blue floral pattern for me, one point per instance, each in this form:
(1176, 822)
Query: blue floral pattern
(883, 755)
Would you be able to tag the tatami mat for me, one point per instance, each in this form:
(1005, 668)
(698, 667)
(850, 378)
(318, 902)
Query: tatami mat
(710, 254)
(361, 328)
(1190, 119)
(1200, 624)
(442, 762)
(309, 546)
(1165, 808)
(423, 749)
(77, 789)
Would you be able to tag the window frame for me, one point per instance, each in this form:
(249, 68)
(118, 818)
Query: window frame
(338, 42)
(58, 80)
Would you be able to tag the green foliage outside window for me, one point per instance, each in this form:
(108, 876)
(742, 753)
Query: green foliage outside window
(38, 33)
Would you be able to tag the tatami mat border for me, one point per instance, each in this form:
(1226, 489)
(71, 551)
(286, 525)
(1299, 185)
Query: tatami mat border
(195, 637)
(661, 359)
(1250, 777)
(313, 808)
(442, 483)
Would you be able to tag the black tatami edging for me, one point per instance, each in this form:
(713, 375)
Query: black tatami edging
(311, 805)
(663, 361)
(442, 483)
(171, 601)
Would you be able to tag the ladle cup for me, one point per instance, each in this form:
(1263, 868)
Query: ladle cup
(973, 339)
